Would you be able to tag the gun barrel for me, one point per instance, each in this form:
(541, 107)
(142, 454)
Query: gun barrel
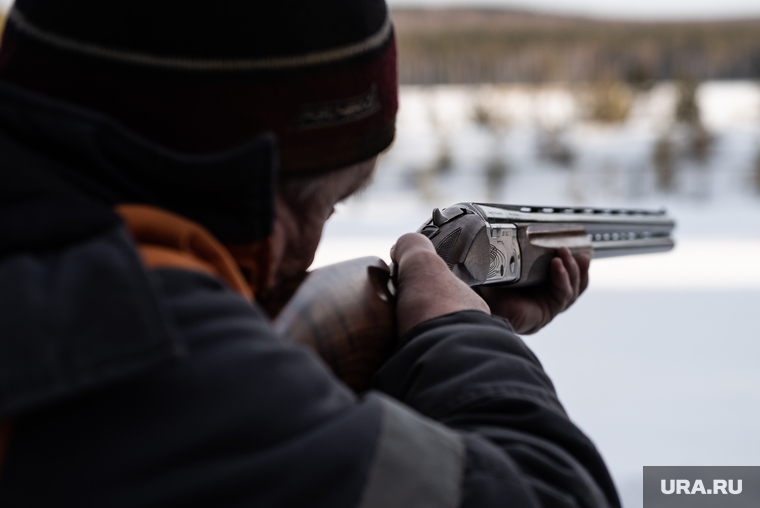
(615, 244)
(514, 244)
(611, 231)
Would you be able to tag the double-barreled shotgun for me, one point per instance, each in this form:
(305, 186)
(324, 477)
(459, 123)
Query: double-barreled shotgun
(513, 245)
(346, 311)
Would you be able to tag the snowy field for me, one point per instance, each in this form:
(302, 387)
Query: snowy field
(660, 360)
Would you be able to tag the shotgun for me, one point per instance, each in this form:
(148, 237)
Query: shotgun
(346, 311)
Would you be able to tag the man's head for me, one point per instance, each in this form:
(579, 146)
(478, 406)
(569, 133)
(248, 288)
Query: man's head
(302, 206)
(202, 78)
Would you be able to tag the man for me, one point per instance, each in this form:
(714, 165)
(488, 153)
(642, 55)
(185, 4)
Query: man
(140, 224)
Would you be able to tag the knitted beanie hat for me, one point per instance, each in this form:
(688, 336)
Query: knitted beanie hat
(200, 77)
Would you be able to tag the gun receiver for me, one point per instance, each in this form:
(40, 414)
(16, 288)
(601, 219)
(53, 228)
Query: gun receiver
(513, 245)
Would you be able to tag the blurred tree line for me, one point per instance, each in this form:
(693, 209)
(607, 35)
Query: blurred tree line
(498, 46)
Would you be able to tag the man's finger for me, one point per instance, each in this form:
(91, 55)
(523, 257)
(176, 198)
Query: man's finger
(584, 262)
(562, 290)
(572, 270)
(408, 243)
(426, 286)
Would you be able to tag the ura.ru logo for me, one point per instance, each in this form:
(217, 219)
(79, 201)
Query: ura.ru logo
(683, 487)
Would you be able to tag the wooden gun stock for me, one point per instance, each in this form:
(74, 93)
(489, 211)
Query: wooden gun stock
(346, 312)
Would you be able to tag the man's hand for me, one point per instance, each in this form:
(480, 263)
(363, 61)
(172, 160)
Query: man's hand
(426, 287)
(530, 309)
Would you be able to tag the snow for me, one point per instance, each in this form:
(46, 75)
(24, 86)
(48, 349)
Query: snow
(657, 362)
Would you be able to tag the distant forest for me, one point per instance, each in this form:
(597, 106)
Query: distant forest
(498, 46)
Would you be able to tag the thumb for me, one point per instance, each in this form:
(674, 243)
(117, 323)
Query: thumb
(426, 286)
(409, 245)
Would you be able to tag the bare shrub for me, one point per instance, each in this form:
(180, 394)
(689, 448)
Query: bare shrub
(687, 114)
(608, 101)
(700, 144)
(487, 114)
(496, 171)
(687, 108)
(664, 161)
(553, 147)
(481, 115)
(443, 164)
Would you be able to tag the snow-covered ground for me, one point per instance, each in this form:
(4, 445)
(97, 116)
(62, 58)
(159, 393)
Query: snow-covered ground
(660, 360)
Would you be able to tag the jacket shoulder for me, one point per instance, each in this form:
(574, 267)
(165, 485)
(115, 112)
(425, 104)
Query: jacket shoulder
(77, 317)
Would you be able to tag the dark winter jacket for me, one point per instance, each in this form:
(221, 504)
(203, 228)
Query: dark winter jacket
(124, 386)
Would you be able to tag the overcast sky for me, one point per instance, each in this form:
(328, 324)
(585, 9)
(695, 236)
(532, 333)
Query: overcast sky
(644, 9)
